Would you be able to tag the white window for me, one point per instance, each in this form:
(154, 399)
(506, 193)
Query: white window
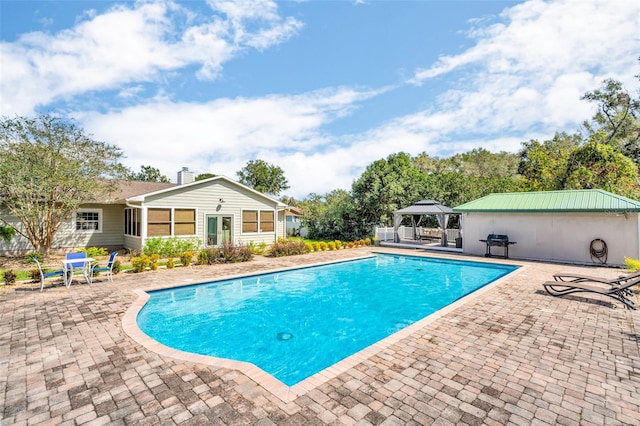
(89, 220)
(132, 222)
(258, 221)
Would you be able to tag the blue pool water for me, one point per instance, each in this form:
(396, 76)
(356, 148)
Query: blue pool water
(293, 324)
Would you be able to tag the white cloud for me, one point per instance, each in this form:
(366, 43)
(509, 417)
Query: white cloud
(132, 44)
(221, 136)
(529, 71)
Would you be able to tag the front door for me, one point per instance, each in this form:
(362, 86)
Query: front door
(218, 230)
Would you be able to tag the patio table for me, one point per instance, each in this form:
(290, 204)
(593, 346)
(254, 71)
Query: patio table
(68, 269)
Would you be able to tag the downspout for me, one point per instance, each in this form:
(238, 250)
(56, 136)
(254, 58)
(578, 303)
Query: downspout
(277, 221)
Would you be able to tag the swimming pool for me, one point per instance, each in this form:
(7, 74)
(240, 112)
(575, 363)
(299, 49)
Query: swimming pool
(293, 324)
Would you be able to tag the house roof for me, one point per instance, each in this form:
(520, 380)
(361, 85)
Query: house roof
(128, 189)
(293, 211)
(570, 201)
(425, 207)
(141, 197)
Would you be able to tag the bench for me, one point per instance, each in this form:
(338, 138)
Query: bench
(429, 234)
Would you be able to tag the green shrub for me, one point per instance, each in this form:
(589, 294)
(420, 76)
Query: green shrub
(338, 244)
(117, 267)
(203, 257)
(34, 274)
(140, 263)
(288, 248)
(213, 256)
(228, 253)
(315, 245)
(94, 251)
(331, 245)
(170, 263)
(153, 262)
(30, 258)
(323, 246)
(154, 246)
(309, 247)
(367, 241)
(185, 258)
(170, 247)
(632, 264)
(259, 248)
(234, 253)
(10, 276)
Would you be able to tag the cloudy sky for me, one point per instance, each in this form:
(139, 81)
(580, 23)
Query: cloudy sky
(320, 88)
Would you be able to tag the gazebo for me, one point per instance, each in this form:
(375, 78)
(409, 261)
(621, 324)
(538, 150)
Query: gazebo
(424, 207)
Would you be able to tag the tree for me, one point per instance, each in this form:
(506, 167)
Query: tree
(203, 176)
(485, 164)
(598, 165)
(386, 186)
(617, 118)
(48, 168)
(543, 165)
(332, 216)
(149, 174)
(568, 163)
(467, 176)
(7, 233)
(263, 177)
(290, 201)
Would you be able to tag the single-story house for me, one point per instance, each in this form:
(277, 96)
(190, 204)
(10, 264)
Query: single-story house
(213, 210)
(589, 226)
(293, 220)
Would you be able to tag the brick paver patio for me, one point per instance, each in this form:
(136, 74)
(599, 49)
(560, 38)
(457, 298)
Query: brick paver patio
(510, 355)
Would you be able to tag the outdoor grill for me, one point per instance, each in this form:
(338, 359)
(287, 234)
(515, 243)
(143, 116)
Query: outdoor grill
(497, 240)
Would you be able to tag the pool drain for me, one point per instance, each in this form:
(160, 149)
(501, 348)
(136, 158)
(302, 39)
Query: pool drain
(283, 335)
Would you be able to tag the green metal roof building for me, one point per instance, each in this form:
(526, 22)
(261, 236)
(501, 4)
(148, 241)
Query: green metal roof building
(555, 225)
(583, 201)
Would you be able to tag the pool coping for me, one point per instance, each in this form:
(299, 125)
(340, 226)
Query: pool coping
(268, 382)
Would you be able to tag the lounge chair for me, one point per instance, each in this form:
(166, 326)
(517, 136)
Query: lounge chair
(108, 270)
(577, 278)
(43, 274)
(621, 292)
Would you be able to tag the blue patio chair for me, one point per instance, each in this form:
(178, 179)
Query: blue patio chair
(44, 275)
(72, 267)
(108, 270)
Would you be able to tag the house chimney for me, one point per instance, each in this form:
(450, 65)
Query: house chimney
(185, 176)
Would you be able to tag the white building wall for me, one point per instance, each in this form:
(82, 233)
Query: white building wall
(206, 201)
(67, 238)
(562, 237)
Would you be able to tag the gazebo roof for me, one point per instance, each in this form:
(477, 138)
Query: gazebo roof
(426, 207)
